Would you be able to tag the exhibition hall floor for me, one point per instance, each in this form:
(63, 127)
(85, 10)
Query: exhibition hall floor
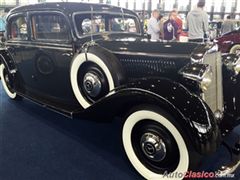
(36, 143)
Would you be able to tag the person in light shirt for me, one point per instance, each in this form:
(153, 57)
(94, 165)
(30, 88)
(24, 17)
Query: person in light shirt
(227, 26)
(197, 21)
(153, 26)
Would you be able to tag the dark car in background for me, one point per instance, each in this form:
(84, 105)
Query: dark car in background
(175, 99)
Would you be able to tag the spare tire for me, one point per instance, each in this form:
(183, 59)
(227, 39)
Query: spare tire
(94, 74)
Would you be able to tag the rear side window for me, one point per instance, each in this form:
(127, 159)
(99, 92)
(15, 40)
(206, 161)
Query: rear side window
(18, 28)
(49, 27)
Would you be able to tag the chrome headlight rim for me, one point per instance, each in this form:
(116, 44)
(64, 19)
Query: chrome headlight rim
(200, 73)
(206, 79)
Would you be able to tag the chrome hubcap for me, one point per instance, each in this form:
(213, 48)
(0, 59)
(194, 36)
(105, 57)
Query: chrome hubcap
(237, 51)
(153, 147)
(92, 84)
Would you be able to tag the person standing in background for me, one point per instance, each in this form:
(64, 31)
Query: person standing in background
(3, 22)
(170, 28)
(161, 23)
(227, 25)
(153, 26)
(179, 22)
(197, 21)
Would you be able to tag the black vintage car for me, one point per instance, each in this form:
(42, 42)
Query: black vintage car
(176, 99)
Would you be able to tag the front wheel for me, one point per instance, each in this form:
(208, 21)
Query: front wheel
(235, 49)
(155, 144)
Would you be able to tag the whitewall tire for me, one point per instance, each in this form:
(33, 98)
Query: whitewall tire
(140, 116)
(235, 49)
(10, 93)
(76, 67)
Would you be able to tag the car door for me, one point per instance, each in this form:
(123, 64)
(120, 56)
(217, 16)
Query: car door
(50, 53)
(17, 37)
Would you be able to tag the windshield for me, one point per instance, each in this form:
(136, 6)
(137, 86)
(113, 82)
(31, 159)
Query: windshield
(100, 23)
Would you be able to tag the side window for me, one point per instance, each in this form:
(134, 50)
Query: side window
(97, 24)
(100, 23)
(18, 28)
(49, 27)
(126, 25)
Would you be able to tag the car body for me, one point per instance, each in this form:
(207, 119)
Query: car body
(229, 42)
(87, 60)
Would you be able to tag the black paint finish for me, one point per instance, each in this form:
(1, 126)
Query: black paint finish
(152, 71)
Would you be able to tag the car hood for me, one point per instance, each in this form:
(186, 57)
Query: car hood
(230, 33)
(142, 45)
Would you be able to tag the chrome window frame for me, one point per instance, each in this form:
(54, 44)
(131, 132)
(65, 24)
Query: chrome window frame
(70, 34)
(8, 29)
(107, 32)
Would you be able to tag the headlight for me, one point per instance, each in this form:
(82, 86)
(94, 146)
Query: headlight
(201, 73)
(206, 80)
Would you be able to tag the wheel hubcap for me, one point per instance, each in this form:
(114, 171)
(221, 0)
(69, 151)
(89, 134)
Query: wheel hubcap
(237, 51)
(92, 84)
(153, 147)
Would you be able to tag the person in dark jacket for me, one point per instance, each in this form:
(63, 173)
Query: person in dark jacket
(170, 28)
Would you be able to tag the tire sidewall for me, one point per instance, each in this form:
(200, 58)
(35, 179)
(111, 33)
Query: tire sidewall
(150, 113)
(234, 48)
(75, 67)
(9, 93)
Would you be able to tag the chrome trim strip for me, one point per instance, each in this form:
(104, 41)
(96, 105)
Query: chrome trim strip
(197, 77)
(102, 12)
(41, 46)
(225, 170)
(165, 55)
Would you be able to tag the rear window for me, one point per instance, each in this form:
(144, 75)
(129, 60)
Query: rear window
(98, 23)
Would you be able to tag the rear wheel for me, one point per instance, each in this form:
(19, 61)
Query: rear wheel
(7, 83)
(155, 144)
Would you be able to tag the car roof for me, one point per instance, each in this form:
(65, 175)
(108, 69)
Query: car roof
(70, 7)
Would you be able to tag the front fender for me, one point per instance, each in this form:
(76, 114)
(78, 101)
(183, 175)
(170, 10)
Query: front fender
(193, 114)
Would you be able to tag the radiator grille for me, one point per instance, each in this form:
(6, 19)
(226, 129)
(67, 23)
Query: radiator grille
(143, 67)
(214, 95)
